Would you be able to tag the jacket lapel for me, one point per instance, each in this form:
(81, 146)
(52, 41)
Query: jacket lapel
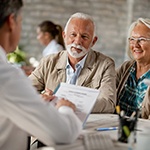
(61, 68)
(87, 69)
(85, 72)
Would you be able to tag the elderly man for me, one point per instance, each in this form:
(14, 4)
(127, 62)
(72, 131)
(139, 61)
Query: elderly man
(19, 101)
(79, 64)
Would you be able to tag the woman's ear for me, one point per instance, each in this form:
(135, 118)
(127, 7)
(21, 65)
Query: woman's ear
(47, 35)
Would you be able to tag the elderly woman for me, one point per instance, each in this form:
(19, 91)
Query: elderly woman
(132, 92)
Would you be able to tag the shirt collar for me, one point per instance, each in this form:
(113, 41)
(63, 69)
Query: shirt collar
(133, 73)
(81, 62)
(3, 54)
(52, 42)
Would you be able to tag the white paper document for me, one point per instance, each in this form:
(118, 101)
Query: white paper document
(84, 98)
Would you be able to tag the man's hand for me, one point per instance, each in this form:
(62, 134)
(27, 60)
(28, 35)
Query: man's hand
(47, 95)
(64, 102)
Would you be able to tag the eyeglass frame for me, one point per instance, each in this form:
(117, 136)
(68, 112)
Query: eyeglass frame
(138, 40)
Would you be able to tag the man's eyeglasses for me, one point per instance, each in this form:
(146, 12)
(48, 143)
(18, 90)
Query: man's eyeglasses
(140, 40)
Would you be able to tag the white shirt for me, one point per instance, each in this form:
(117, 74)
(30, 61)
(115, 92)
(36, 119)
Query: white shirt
(23, 113)
(52, 48)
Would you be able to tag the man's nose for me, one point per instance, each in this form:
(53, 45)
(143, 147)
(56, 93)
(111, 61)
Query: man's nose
(78, 40)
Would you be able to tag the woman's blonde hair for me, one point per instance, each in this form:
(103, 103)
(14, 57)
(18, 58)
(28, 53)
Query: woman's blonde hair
(145, 21)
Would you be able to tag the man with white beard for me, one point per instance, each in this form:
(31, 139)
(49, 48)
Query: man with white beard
(79, 65)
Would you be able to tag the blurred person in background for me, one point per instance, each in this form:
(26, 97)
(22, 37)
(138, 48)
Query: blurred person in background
(132, 92)
(50, 35)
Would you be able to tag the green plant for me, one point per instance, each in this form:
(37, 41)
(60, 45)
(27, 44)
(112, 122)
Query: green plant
(18, 56)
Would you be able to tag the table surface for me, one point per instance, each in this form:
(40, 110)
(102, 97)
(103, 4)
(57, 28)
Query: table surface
(102, 120)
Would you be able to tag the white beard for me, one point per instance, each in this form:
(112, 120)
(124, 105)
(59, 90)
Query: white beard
(74, 53)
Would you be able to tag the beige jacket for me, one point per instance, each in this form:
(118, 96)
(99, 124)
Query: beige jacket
(122, 76)
(98, 73)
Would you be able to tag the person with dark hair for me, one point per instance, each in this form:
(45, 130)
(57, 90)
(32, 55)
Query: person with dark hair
(50, 35)
(22, 111)
(132, 91)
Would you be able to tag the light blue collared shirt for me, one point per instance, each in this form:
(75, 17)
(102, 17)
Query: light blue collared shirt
(70, 71)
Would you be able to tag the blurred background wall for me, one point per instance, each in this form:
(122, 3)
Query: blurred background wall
(112, 18)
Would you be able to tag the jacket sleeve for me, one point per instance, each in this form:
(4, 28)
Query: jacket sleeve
(106, 101)
(37, 76)
(145, 112)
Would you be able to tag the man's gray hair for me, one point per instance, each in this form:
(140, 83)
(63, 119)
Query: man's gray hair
(145, 21)
(82, 16)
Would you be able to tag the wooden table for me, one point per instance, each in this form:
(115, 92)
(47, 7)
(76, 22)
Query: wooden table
(103, 120)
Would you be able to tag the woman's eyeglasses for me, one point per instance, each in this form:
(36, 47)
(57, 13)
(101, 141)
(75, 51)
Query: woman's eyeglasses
(140, 40)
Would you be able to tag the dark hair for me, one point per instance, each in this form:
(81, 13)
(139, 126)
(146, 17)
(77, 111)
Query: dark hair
(8, 7)
(53, 29)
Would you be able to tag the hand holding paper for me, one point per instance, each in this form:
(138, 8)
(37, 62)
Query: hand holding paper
(64, 102)
(47, 95)
(84, 98)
